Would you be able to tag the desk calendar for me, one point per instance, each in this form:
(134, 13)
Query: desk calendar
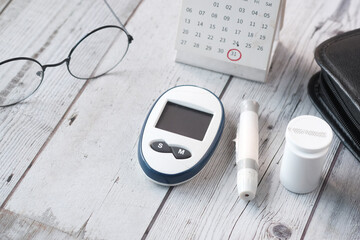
(236, 37)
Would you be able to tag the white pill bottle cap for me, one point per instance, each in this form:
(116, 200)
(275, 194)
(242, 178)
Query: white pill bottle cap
(307, 142)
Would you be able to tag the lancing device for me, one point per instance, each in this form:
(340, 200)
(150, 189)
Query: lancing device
(247, 150)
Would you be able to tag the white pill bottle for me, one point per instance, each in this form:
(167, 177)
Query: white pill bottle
(307, 142)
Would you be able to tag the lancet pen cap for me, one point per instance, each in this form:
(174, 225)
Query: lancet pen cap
(247, 181)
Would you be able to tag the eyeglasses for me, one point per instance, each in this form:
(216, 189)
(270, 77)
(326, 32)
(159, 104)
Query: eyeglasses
(21, 77)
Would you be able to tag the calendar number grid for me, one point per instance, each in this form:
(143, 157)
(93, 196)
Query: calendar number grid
(239, 32)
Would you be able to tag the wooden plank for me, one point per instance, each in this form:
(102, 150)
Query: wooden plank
(88, 176)
(338, 210)
(46, 32)
(209, 207)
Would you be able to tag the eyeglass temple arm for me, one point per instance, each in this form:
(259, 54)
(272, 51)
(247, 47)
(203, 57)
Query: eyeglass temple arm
(118, 19)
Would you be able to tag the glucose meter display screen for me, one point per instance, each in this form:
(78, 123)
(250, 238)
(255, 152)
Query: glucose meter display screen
(184, 121)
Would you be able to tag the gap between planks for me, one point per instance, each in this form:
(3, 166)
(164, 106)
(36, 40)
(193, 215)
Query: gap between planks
(322, 189)
(62, 119)
(5, 6)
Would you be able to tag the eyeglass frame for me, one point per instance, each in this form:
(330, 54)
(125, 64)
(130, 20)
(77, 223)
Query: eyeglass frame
(68, 58)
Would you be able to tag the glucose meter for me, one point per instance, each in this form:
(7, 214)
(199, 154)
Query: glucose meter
(180, 134)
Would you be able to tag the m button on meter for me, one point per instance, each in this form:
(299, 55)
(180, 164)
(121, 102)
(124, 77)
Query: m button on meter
(160, 146)
(180, 153)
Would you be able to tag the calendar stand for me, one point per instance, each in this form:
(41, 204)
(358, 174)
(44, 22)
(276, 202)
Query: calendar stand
(236, 37)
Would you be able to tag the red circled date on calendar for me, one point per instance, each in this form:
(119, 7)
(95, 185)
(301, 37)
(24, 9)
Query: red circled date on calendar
(234, 55)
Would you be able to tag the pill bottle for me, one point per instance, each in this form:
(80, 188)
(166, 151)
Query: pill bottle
(307, 142)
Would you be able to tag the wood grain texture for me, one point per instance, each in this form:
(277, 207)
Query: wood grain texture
(88, 176)
(208, 207)
(337, 215)
(15, 227)
(47, 32)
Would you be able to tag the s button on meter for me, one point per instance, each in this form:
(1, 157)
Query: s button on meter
(160, 146)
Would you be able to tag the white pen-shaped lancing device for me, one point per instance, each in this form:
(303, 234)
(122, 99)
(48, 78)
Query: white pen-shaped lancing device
(247, 150)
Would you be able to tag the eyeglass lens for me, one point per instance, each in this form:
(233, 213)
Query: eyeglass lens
(18, 80)
(89, 59)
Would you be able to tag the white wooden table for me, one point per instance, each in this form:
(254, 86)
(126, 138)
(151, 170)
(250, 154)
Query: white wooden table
(68, 154)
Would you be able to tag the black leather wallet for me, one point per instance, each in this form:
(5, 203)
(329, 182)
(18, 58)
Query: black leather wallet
(335, 90)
